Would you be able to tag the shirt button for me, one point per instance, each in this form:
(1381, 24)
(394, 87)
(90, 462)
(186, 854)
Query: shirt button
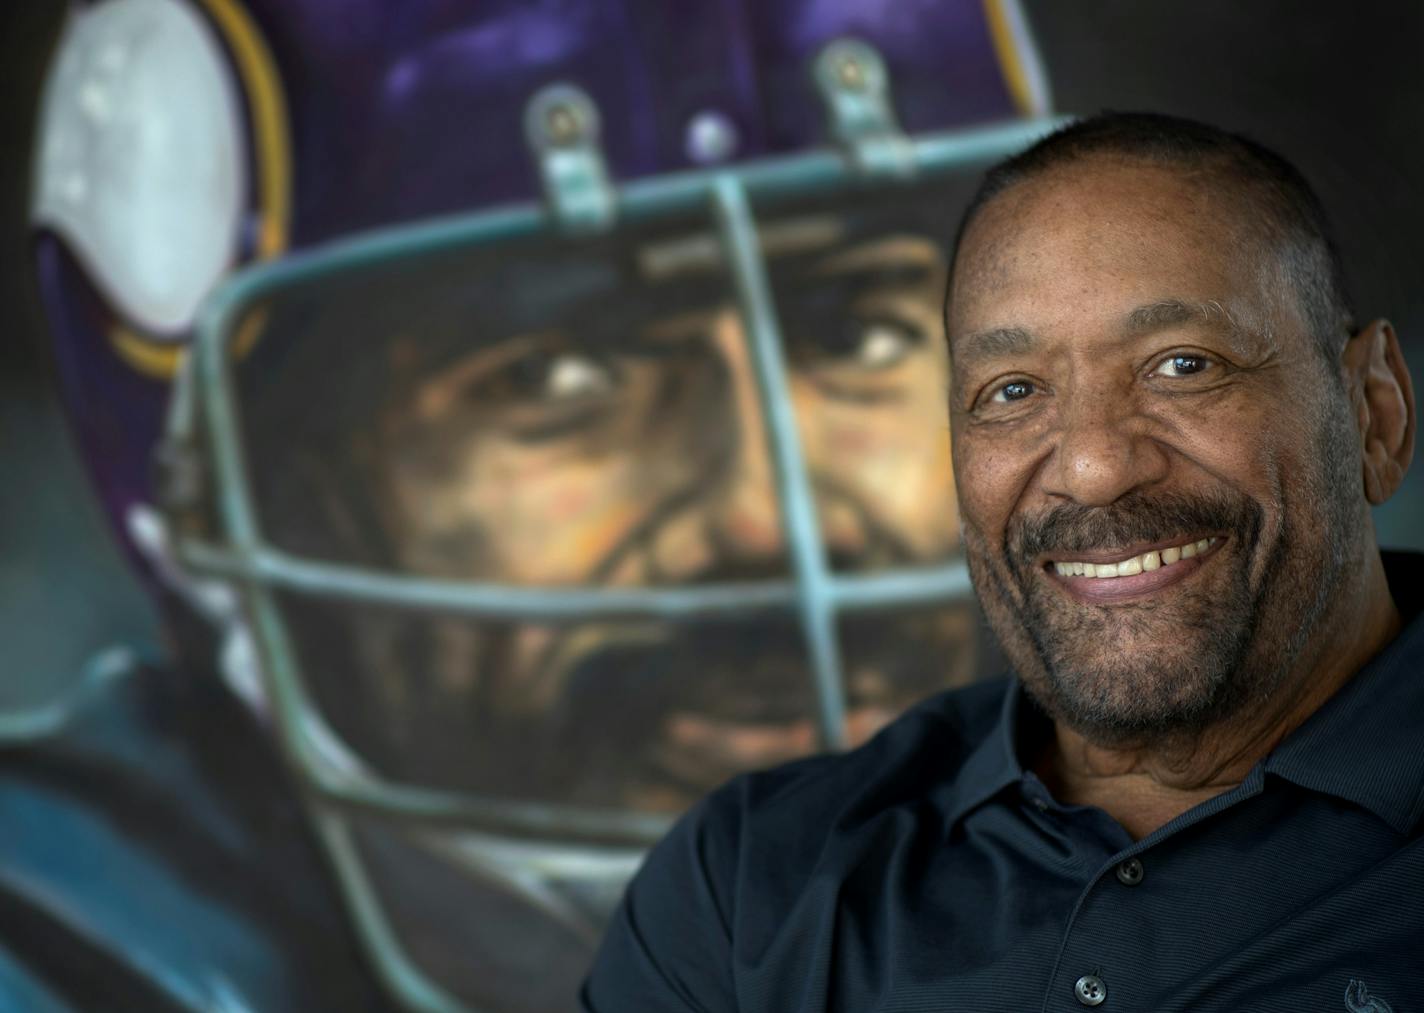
(1090, 990)
(1040, 805)
(1129, 873)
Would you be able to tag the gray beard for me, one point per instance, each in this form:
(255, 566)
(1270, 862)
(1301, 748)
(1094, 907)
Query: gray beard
(1214, 654)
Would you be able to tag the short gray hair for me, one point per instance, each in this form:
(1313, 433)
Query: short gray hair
(1292, 221)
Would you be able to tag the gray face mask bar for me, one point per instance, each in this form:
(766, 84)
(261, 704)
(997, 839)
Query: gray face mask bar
(203, 466)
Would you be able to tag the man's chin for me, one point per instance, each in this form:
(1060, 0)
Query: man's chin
(1114, 704)
(1141, 676)
(1137, 666)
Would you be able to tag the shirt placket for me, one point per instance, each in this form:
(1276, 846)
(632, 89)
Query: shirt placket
(1114, 943)
(1108, 940)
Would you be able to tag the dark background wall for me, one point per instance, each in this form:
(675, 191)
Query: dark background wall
(1338, 87)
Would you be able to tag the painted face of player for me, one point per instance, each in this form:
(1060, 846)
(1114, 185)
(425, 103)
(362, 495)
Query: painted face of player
(621, 442)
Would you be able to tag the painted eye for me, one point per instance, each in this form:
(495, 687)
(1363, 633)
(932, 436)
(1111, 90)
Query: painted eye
(882, 344)
(555, 377)
(866, 345)
(1014, 390)
(1183, 365)
(571, 376)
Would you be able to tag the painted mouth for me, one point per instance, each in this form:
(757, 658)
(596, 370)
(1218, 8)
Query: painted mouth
(1115, 575)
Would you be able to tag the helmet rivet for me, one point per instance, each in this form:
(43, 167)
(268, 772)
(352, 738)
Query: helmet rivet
(711, 138)
(562, 124)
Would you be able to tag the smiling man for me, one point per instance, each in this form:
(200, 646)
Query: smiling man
(1167, 433)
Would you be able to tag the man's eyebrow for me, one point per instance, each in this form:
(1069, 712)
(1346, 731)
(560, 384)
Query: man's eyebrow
(1164, 313)
(994, 343)
(1000, 342)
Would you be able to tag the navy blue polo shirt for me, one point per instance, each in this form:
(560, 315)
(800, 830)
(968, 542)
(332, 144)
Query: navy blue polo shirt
(928, 870)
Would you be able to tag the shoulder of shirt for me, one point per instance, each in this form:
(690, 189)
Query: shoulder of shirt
(903, 765)
(761, 841)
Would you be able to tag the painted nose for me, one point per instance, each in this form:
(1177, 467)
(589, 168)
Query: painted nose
(1103, 451)
(735, 518)
(743, 514)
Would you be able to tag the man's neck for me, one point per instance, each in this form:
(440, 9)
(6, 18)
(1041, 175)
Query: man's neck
(1147, 785)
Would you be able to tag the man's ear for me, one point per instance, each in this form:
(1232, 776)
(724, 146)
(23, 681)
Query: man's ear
(1382, 396)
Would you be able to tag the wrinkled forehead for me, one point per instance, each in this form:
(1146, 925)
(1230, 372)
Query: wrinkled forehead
(1098, 237)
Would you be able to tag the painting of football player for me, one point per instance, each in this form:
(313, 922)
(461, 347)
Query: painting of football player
(324, 799)
(587, 414)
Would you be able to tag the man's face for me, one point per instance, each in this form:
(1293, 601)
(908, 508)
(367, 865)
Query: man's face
(1135, 394)
(622, 443)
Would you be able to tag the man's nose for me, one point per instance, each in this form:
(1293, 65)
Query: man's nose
(1104, 449)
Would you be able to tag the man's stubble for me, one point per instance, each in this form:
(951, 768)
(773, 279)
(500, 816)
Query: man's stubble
(1211, 653)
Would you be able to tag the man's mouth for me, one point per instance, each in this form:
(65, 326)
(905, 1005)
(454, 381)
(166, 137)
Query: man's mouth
(1114, 575)
(1128, 566)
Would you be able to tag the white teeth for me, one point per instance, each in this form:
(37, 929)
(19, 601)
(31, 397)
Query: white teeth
(1154, 560)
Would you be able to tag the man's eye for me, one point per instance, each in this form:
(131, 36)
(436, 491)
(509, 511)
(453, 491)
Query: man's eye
(1182, 365)
(1014, 390)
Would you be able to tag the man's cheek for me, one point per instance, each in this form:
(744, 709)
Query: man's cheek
(983, 507)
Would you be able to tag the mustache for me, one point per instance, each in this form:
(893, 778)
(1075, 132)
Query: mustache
(610, 728)
(1135, 518)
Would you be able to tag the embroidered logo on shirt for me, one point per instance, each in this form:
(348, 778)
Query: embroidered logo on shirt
(1359, 1000)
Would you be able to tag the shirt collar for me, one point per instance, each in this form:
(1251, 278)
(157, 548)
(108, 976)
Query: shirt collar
(1366, 743)
(993, 764)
